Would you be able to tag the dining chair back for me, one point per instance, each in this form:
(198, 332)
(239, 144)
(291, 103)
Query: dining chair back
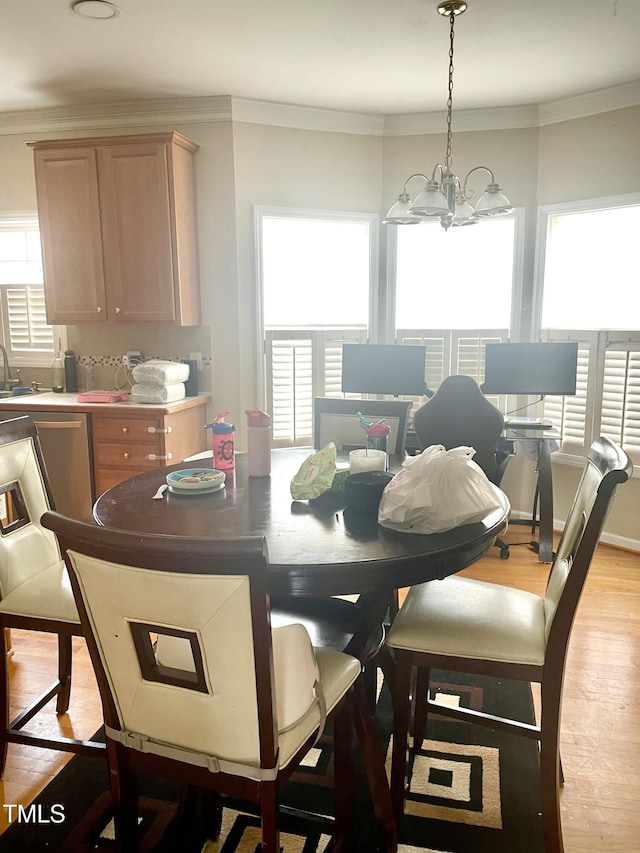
(465, 625)
(335, 419)
(34, 585)
(194, 682)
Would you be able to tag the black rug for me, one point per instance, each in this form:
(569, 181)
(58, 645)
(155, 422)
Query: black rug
(473, 790)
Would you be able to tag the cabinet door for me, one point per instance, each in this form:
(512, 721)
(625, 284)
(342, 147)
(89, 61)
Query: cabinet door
(69, 213)
(138, 239)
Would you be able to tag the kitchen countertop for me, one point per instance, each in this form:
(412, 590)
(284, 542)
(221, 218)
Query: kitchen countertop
(50, 402)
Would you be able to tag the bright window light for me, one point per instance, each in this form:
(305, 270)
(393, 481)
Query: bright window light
(591, 270)
(315, 272)
(456, 279)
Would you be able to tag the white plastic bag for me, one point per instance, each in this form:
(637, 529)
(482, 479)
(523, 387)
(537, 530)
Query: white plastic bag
(437, 490)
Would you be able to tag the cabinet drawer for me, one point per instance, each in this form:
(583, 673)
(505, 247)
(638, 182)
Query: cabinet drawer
(127, 456)
(141, 430)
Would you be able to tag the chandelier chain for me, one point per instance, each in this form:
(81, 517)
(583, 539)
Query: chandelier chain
(447, 159)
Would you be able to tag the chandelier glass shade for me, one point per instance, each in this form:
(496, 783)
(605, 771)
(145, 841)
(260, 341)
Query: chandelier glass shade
(444, 196)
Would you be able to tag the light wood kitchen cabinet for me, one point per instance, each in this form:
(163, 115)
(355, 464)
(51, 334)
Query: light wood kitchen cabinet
(125, 444)
(118, 226)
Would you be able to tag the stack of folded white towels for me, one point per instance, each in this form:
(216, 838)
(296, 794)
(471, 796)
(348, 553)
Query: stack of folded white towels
(159, 381)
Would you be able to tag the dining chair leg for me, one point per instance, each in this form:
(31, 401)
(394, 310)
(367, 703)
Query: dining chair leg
(124, 796)
(401, 720)
(550, 770)
(375, 769)
(343, 774)
(269, 818)
(64, 673)
(420, 706)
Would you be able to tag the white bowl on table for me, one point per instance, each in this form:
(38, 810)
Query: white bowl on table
(195, 480)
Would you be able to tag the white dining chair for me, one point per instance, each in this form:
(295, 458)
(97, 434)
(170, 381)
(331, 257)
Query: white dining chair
(465, 625)
(34, 586)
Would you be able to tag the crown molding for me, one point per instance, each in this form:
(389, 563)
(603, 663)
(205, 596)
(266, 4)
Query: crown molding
(593, 103)
(177, 111)
(96, 116)
(498, 118)
(306, 118)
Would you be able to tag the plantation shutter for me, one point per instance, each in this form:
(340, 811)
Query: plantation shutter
(290, 397)
(438, 349)
(620, 415)
(569, 414)
(26, 322)
(452, 351)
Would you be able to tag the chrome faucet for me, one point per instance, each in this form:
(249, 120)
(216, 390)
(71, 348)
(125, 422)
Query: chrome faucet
(9, 381)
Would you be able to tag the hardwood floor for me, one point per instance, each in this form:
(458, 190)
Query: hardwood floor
(600, 726)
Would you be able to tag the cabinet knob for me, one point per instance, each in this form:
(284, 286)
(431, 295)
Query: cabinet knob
(126, 455)
(125, 430)
(117, 310)
(98, 308)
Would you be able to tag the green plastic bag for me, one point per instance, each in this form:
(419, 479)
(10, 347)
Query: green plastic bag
(315, 475)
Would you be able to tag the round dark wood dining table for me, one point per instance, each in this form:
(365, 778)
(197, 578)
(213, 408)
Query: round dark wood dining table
(317, 547)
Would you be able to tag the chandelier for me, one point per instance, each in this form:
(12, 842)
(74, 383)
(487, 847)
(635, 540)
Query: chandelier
(445, 196)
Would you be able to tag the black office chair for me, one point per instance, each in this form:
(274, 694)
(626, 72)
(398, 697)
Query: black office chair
(459, 414)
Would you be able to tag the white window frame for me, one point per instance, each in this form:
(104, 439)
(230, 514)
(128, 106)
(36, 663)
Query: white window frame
(596, 342)
(25, 358)
(317, 336)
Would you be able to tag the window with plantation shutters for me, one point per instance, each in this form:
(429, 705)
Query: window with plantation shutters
(26, 335)
(588, 291)
(456, 289)
(303, 364)
(317, 272)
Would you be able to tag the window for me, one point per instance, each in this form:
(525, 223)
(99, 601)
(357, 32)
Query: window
(457, 290)
(28, 338)
(588, 292)
(317, 274)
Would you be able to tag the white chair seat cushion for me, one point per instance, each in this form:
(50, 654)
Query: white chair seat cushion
(47, 595)
(461, 617)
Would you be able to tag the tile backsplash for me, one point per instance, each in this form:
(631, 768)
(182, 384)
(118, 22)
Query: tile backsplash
(101, 348)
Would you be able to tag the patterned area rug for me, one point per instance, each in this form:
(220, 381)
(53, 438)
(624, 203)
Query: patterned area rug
(472, 790)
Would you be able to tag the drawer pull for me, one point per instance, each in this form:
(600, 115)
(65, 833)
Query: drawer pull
(160, 429)
(126, 455)
(152, 457)
(125, 430)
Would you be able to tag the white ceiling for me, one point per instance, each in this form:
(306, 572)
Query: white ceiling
(364, 56)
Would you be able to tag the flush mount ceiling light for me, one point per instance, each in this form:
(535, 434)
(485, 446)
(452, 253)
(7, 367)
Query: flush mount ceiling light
(96, 9)
(445, 196)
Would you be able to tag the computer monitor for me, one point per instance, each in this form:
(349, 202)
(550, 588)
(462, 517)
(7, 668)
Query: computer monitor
(384, 369)
(540, 368)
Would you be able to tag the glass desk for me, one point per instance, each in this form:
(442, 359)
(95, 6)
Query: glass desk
(543, 440)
